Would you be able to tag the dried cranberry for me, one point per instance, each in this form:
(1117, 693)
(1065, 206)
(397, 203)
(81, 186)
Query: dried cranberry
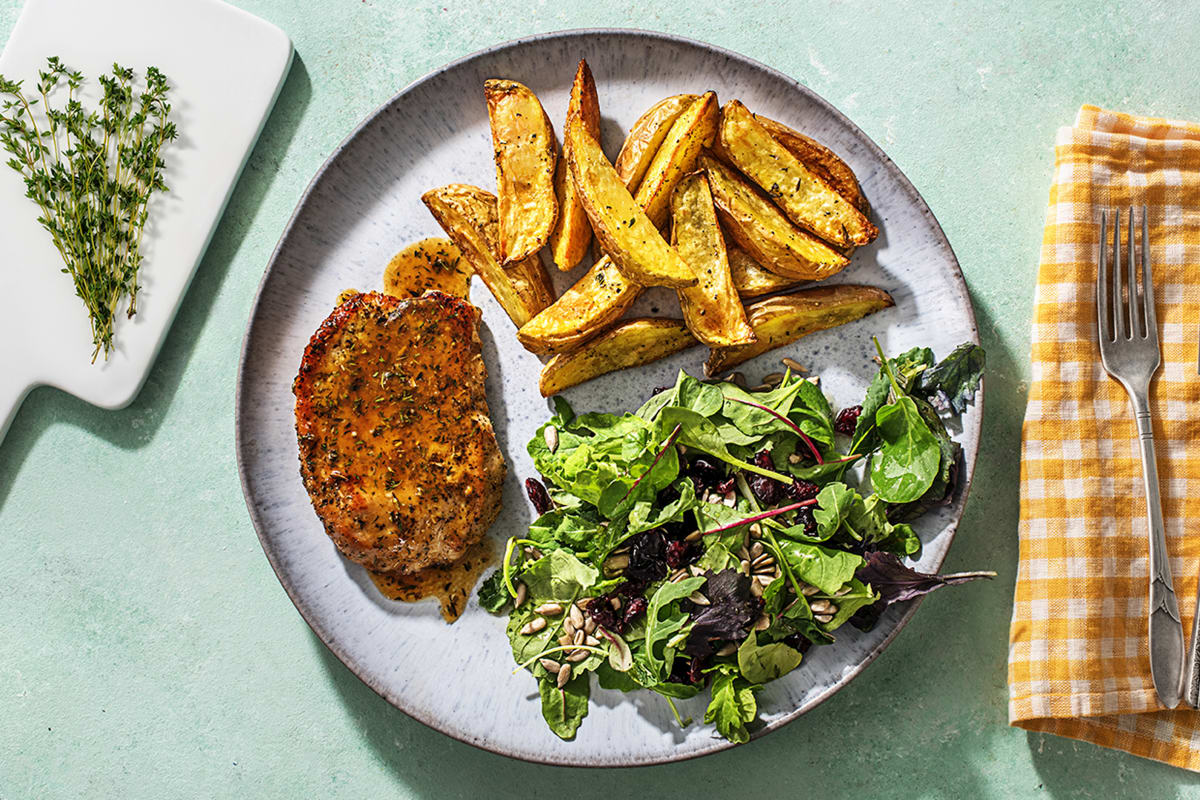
(768, 490)
(601, 611)
(705, 474)
(799, 642)
(647, 557)
(631, 589)
(804, 516)
(632, 610)
(847, 419)
(538, 495)
(801, 490)
(677, 553)
(725, 486)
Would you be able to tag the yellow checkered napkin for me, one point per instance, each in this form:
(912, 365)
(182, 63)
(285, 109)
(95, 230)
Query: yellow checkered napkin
(1078, 656)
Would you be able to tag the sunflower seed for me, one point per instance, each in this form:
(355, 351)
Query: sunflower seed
(696, 571)
(533, 626)
(744, 567)
(564, 675)
(795, 458)
(591, 641)
(548, 609)
(756, 550)
(762, 387)
(744, 553)
(842, 591)
(615, 603)
(625, 548)
(793, 364)
(550, 665)
(551, 434)
(578, 637)
(578, 655)
(576, 615)
(763, 563)
(694, 536)
(728, 649)
(532, 553)
(699, 599)
(756, 588)
(822, 607)
(765, 580)
(755, 531)
(678, 575)
(589, 626)
(565, 639)
(762, 623)
(568, 628)
(815, 380)
(823, 618)
(519, 600)
(809, 590)
(730, 499)
(773, 379)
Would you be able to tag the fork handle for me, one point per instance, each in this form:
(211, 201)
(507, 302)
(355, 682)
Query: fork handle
(1166, 630)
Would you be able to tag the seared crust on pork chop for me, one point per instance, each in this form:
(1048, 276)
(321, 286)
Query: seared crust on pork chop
(396, 447)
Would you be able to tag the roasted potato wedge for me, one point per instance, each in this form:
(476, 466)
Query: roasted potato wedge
(428, 264)
(525, 152)
(596, 301)
(573, 232)
(807, 200)
(821, 160)
(764, 232)
(469, 216)
(630, 344)
(692, 132)
(646, 136)
(784, 319)
(624, 231)
(712, 309)
(749, 277)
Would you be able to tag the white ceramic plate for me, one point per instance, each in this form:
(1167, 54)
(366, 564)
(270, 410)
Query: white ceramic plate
(364, 205)
(219, 103)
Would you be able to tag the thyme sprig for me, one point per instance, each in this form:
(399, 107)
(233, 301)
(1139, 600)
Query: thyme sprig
(92, 175)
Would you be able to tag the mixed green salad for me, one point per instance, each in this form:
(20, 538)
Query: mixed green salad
(713, 536)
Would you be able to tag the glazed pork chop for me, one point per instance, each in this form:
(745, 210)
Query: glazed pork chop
(397, 449)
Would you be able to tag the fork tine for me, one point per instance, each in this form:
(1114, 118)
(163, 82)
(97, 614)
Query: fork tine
(1150, 315)
(1120, 330)
(1102, 302)
(1137, 317)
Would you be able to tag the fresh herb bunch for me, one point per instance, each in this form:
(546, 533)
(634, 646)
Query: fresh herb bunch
(712, 537)
(92, 175)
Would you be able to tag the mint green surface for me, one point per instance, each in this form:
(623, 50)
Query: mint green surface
(146, 649)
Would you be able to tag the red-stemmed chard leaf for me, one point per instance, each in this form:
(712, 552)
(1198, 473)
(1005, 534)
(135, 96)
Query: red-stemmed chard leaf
(774, 512)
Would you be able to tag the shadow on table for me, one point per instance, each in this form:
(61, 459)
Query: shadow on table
(136, 425)
(1068, 768)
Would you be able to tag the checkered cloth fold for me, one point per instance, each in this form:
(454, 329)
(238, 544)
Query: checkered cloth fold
(1078, 654)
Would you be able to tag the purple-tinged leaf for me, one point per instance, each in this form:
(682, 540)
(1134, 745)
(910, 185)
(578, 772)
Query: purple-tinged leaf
(895, 582)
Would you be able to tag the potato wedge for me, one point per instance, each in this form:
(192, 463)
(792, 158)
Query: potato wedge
(630, 344)
(573, 232)
(806, 199)
(784, 319)
(596, 301)
(712, 309)
(525, 152)
(646, 136)
(690, 134)
(428, 264)
(624, 231)
(820, 159)
(469, 216)
(749, 277)
(766, 234)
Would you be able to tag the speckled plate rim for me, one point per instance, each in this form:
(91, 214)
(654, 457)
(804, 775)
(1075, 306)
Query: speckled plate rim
(971, 430)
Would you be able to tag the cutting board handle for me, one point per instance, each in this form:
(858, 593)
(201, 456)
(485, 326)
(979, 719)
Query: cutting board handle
(11, 397)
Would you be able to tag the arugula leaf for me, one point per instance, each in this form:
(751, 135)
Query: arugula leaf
(732, 705)
(827, 569)
(907, 461)
(564, 709)
(760, 663)
(910, 365)
(952, 382)
(834, 504)
(493, 594)
(660, 628)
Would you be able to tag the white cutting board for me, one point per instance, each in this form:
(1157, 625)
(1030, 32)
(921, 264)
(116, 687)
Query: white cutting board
(225, 68)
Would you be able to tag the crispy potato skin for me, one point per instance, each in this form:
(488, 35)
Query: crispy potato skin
(785, 318)
(397, 451)
(646, 136)
(749, 277)
(712, 309)
(806, 199)
(630, 344)
(690, 134)
(763, 231)
(573, 232)
(827, 164)
(624, 231)
(525, 153)
(469, 217)
(597, 300)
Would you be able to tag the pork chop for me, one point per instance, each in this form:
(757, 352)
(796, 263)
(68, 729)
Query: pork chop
(396, 447)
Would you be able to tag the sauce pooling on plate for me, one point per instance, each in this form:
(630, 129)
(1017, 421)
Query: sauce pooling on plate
(451, 584)
(427, 264)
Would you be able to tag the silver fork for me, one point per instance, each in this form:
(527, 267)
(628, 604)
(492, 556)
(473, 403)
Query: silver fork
(1128, 331)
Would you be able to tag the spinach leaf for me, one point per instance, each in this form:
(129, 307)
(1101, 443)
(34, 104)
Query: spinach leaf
(848, 604)
(952, 382)
(752, 421)
(907, 461)
(866, 438)
(493, 594)
(700, 433)
(732, 705)
(760, 663)
(663, 621)
(558, 576)
(610, 678)
(825, 568)
(834, 503)
(564, 709)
